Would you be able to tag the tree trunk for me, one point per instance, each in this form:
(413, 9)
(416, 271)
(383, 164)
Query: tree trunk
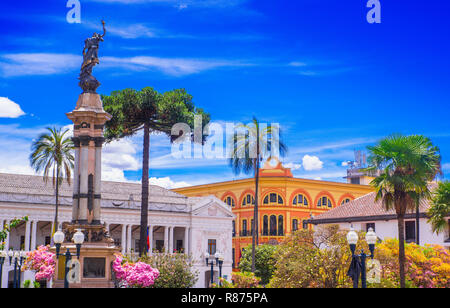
(144, 197)
(401, 248)
(57, 202)
(417, 224)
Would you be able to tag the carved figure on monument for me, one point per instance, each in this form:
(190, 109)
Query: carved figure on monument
(90, 58)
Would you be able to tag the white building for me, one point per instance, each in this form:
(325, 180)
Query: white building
(364, 213)
(194, 225)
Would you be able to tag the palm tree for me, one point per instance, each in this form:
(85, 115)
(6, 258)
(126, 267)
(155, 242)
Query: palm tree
(440, 207)
(407, 164)
(249, 147)
(51, 154)
(151, 112)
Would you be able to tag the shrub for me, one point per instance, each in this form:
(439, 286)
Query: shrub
(175, 270)
(245, 280)
(264, 261)
(42, 261)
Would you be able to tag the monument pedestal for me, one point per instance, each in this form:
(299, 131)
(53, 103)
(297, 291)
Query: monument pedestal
(96, 257)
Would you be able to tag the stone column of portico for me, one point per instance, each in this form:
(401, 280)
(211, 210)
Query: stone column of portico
(98, 178)
(186, 240)
(124, 238)
(150, 239)
(76, 180)
(27, 235)
(171, 240)
(166, 239)
(34, 226)
(129, 238)
(83, 197)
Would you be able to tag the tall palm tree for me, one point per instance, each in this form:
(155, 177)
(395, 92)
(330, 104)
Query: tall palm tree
(440, 207)
(151, 112)
(407, 164)
(51, 154)
(249, 147)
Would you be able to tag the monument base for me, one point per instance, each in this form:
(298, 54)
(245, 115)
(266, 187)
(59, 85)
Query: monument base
(96, 257)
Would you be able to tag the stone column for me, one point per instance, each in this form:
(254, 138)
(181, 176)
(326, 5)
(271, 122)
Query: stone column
(98, 178)
(186, 240)
(34, 234)
(171, 240)
(27, 235)
(129, 238)
(124, 238)
(166, 239)
(150, 239)
(76, 180)
(84, 162)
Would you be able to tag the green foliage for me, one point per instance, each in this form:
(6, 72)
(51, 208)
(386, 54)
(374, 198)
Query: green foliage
(7, 228)
(440, 208)
(314, 259)
(131, 109)
(52, 155)
(406, 165)
(36, 284)
(175, 270)
(264, 261)
(223, 284)
(27, 283)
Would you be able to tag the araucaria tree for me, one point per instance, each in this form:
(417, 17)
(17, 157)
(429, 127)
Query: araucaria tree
(151, 112)
(407, 164)
(250, 144)
(52, 155)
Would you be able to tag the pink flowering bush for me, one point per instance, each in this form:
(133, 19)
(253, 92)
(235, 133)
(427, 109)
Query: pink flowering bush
(42, 261)
(134, 275)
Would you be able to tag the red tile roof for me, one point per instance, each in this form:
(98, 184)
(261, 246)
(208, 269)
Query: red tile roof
(364, 208)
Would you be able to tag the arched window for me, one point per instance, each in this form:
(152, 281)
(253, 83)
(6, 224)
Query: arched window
(244, 227)
(346, 200)
(273, 199)
(324, 202)
(294, 224)
(248, 200)
(251, 227)
(273, 225)
(234, 228)
(266, 225)
(230, 201)
(280, 225)
(300, 200)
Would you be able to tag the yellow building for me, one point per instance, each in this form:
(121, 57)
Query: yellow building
(284, 202)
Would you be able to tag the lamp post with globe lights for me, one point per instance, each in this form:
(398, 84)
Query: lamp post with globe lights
(15, 258)
(358, 265)
(78, 239)
(217, 257)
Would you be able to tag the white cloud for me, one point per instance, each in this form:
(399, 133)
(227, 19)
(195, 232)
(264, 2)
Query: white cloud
(344, 164)
(170, 66)
(293, 166)
(166, 182)
(311, 163)
(177, 3)
(9, 109)
(130, 31)
(297, 64)
(24, 64)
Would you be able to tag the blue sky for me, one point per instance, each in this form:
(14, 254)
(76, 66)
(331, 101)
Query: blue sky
(333, 81)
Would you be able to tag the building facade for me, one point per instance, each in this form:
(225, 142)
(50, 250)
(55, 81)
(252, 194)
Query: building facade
(364, 213)
(284, 202)
(177, 224)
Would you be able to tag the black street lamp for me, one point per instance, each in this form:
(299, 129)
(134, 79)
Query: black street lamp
(210, 261)
(78, 239)
(358, 265)
(15, 258)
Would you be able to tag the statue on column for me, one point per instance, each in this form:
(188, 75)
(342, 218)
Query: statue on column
(90, 58)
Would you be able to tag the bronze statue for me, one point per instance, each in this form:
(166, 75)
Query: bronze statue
(90, 58)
